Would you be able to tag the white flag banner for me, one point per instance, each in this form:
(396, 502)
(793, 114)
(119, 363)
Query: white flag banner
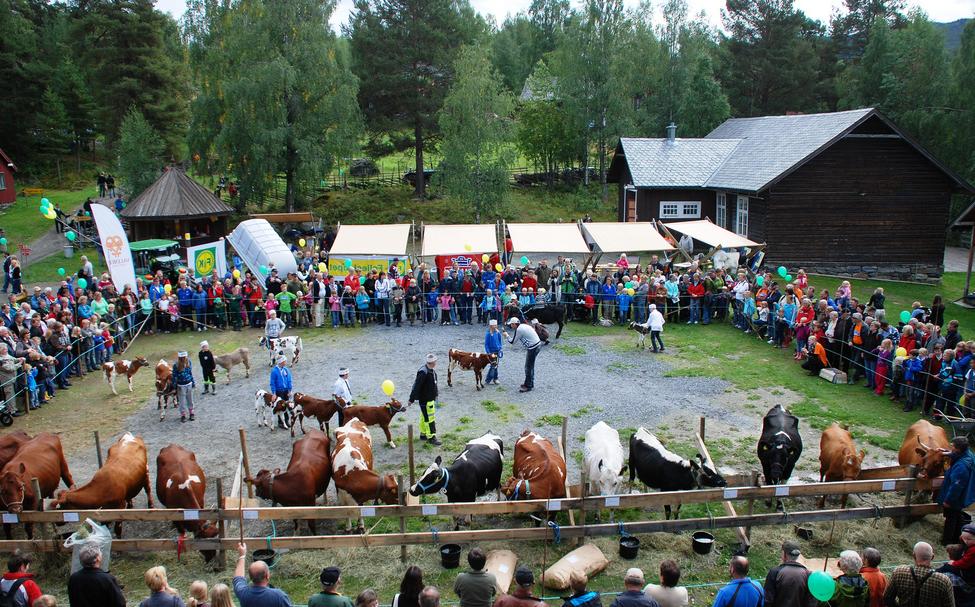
(205, 258)
(115, 245)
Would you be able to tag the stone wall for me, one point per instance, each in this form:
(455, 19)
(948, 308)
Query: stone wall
(910, 272)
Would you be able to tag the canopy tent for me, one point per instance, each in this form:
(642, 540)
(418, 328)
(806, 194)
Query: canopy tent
(260, 246)
(625, 237)
(458, 239)
(547, 238)
(153, 244)
(710, 234)
(379, 240)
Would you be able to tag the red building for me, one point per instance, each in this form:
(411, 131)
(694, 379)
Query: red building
(8, 191)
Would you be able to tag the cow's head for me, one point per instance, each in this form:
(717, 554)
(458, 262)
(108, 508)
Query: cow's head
(13, 488)
(777, 455)
(140, 361)
(493, 359)
(850, 466)
(934, 461)
(263, 483)
(704, 475)
(389, 492)
(434, 479)
(394, 405)
(609, 480)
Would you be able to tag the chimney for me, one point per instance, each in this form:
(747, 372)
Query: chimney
(671, 132)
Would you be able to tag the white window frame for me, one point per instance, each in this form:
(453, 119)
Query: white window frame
(682, 211)
(721, 210)
(3, 181)
(741, 216)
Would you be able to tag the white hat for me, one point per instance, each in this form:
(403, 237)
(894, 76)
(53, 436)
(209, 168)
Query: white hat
(653, 306)
(492, 323)
(182, 354)
(282, 359)
(634, 575)
(204, 344)
(514, 320)
(343, 371)
(431, 358)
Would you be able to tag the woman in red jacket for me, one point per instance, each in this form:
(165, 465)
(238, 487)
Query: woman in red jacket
(907, 340)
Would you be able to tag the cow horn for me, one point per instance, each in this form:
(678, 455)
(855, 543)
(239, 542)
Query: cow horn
(923, 446)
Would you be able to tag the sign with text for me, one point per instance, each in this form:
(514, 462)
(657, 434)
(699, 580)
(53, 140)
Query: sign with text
(338, 269)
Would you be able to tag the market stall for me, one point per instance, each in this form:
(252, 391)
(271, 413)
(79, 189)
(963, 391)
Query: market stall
(462, 244)
(369, 247)
(623, 237)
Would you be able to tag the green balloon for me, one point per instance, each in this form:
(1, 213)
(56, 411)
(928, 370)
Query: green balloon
(821, 585)
(44, 209)
(82, 283)
(524, 260)
(45, 202)
(782, 271)
(348, 263)
(216, 300)
(628, 285)
(71, 236)
(61, 272)
(760, 280)
(905, 317)
(3, 241)
(263, 269)
(788, 277)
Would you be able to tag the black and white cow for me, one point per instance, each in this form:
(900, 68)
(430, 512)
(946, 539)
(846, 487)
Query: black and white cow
(660, 469)
(476, 471)
(779, 446)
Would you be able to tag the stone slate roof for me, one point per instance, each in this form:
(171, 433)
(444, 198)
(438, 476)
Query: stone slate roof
(681, 163)
(175, 196)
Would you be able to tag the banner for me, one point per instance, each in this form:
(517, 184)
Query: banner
(205, 258)
(464, 262)
(338, 269)
(115, 245)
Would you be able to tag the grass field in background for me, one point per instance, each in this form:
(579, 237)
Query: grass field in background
(45, 271)
(23, 222)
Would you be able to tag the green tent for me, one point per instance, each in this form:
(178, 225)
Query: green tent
(154, 244)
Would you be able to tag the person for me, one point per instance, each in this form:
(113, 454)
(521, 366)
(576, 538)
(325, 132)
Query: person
(367, 598)
(876, 579)
(852, 590)
(409, 588)
(633, 595)
(741, 591)
(957, 490)
(668, 593)
(162, 594)
(90, 586)
(198, 595)
(656, 324)
(331, 578)
(208, 367)
(493, 345)
(532, 344)
(425, 392)
(522, 595)
(785, 584)
(45, 600)
(274, 327)
(581, 595)
(342, 390)
(220, 596)
(281, 385)
(918, 585)
(475, 588)
(430, 597)
(259, 593)
(816, 359)
(183, 379)
(17, 576)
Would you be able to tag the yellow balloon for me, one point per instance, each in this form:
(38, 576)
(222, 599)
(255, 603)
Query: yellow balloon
(186, 236)
(51, 214)
(168, 288)
(236, 273)
(901, 351)
(322, 267)
(485, 258)
(301, 242)
(498, 267)
(467, 247)
(388, 387)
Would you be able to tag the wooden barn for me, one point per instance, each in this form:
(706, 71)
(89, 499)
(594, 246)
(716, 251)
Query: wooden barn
(841, 192)
(8, 189)
(174, 206)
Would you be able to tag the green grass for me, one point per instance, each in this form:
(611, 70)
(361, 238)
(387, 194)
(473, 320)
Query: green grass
(45, 271)
(23, 222)
(571, 349)
(549, 420)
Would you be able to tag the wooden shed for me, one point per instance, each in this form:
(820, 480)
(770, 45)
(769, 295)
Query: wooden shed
(841, 192)
(8, 189)
(174, 206)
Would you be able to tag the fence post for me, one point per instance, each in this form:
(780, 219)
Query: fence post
(908, 496)
(751, 503)
(221, 528)
(402, 520)
(98, 448)
(409, 444)
(247, 466)
(703, 424)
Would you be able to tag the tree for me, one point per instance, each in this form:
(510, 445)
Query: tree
(963, 104)
(476, 125)
(140, 153)
(513, 51)
(403, 53)
(22, 79)
(53, 130)
(79, 104)
(851, 29)
(542, 131)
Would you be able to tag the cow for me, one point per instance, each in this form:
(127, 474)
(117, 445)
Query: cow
(642, 331)
(661, 469)
(376, 416)
(538, 471)
(469, 361)
(280, 346)
(42, 458)
(603, 458)
(165, 388)
(352, 467)
(114, 485)
(267, 405)
(838, 458)
(240, 356)
(547, 314)
(306, 477)
(475, 472)
(922, 446)
(779, 447)
(128, 368)
(181, 483)
(10, 444)
(311, 406)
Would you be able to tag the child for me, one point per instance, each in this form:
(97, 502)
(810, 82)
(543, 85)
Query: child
(913, 377)
(234, 308)
(348, 304)
(219, 312)
(270, 304)
(335, 307)
(173, 313)
(304, 304)
(88, 346)
(885, 362)
(98, 346)
(77, 351)
(362, 306)
(198, 595)
(208, 366)
(748, 311)
(623, 300)
(843, 295)
(526, 298)
(781, 326)
(31, 374)
(109, 342)
(763, 319)
(286, 301)
(445, 300)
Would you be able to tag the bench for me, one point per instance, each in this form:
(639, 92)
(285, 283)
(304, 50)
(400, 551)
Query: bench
(32, 192)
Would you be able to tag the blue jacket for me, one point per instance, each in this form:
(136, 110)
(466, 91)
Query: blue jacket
(608, 292)
(912, 366)
(185, 296)
(633, 598)
(200, 301)
(751, 594)
(280, 380)
(184, 377)
(493, 342)
(624, 300)
(958, 489)
(155, 292)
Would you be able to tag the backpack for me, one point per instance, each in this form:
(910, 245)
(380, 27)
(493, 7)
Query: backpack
(9, 598)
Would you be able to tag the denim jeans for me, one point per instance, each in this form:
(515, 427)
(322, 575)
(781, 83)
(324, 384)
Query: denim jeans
(705, 311)
(336, 318)
(349, 315)
(492, 373)
(640, 311)
(871, 368)
(530, 357)
(382, 305)
(695, 309)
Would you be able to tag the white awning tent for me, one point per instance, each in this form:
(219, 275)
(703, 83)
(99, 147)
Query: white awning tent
(547, 238)
(625, 237)
(458, 239)
(371, 240)
(260, 246)
(710, 234)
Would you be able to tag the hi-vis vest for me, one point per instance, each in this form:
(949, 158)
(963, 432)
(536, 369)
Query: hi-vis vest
(857, 328)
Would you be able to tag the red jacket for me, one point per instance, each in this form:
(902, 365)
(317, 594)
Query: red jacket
(695, 290)
(33, 590)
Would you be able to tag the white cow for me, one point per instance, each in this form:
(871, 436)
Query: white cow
(603, 458)
(289, 347)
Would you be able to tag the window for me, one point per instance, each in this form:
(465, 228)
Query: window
(629, 198)
(3, 181)
(722, 210)
(680, 209)
(741, 216)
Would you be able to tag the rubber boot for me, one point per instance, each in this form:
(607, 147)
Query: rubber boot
(433, 435)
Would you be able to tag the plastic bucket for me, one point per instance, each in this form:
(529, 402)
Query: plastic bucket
(702, 542)
(629, 547)
(267, 555)
(450, 556)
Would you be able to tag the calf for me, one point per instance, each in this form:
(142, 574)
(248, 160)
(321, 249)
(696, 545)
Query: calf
(240, 356)
(310, 406)
(128, 368)
(779, 447)
(352, 466)
(838, 459)
(603, 458)
(165, 389)
(42, 458)
(540, 330)
(114, 485)
(547, 314)
(470, 361)
(538, 471)
(282, 346)
(642, 332)
(376, 416)
(267, 405)
(306, 478)
(658, 468)
(181, 483)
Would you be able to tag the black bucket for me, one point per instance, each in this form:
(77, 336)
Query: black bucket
(629, 547)
(267, 555)
(450, 556)
(702, 542)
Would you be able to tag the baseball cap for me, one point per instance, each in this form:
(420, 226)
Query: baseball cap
(493, 323)
(281, 359)
(182, 354)
(330, 576)
(344, 371)
(634, 575)
(790, 548)
(969, 529)
(524, 576)
(204, 344)
(513, 321)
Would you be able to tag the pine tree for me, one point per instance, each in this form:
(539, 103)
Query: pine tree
(53, 130)
(79, 104)
(542, 131)
(140, 153)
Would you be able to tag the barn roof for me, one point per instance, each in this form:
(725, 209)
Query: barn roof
(174, 196)
(7, 161)
(681, 163)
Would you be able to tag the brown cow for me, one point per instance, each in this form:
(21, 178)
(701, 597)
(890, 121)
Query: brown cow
(377, 416)
(838, 459)
(538, 471)
(921, 447)
(127, 368)
(10, 444)
(309, 406)
(352, 466)
(470, 361)
(165, 388)
(42, 458)
(307, 476)
(124, 475)
(181, 483)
